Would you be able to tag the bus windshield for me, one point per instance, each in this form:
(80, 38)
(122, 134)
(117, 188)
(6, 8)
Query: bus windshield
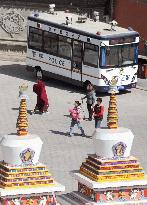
(119, 55)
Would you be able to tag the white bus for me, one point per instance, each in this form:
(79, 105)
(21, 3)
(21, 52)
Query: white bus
(80, 50)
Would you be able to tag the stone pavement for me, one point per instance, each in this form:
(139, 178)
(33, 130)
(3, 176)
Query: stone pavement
(61, 153)
(142, 83)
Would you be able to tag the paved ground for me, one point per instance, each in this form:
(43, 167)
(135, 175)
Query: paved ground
(61, 153)
(142, 83)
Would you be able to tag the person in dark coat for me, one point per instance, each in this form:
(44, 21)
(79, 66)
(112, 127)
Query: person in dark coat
(90, 96)
(42, 99)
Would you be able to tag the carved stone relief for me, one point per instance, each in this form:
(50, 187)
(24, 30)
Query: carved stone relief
(12, 22)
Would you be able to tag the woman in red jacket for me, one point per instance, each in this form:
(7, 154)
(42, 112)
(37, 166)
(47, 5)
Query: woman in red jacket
(98, 112)
(42, 99)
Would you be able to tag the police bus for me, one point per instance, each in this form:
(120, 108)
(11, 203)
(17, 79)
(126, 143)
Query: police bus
(80, 50)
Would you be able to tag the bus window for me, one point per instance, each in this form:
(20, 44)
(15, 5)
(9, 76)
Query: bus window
(64, 47)
(77, 49)
(128, 53)
(77, 54)
(35, 38)
(112, 56)
(119, 55)
(50, 42)
(91, 55)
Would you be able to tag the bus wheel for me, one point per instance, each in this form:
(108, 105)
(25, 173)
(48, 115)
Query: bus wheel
(39, 72)
(85, 84)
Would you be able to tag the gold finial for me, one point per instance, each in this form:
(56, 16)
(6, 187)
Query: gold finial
(114, 80)
(23, 87)
(113, 85)
(22, 121)
(22, 90)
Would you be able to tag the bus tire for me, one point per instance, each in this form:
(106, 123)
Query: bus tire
(85, 84)
(38, 72)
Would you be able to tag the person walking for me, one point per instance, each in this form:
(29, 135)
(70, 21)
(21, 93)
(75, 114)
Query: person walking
(42, 99)
(76, 118)
(98, 112)
(90, 96)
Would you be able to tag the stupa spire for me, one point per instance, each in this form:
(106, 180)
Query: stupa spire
(22, 121)
(112, 118)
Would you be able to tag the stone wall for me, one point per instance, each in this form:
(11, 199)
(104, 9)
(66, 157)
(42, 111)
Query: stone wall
(13, 29)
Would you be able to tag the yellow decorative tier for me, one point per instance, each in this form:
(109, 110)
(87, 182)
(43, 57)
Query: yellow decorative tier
(24, 176)
(104, 170)
(112, 119)
(22, 122)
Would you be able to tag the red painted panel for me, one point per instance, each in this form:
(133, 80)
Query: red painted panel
(97, 197)
(132, 13)
(145, 193)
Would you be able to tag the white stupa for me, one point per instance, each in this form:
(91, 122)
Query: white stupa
(23, 179)
(111, 175)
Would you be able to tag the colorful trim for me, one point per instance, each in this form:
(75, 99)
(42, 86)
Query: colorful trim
(115, 177)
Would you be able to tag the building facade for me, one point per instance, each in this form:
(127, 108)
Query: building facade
(132, 13)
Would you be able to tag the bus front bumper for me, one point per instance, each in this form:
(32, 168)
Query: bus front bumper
(122, 87)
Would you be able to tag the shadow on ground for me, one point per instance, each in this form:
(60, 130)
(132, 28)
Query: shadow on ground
(28, 111)
(13, 133)
(15, 108)
(57, 132)
(19, 71)
(141, 89)
(69, 198)
(73, 199)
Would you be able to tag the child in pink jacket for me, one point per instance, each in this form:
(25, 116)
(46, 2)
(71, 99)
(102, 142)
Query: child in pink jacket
(76, 118)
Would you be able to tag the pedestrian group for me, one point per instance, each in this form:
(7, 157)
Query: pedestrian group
(94, 107)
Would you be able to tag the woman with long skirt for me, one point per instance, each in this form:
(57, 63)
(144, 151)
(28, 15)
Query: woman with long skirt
(42, 99)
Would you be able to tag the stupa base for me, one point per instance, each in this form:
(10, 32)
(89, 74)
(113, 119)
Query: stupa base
(77, 198)
(31, 196)
(121, 192)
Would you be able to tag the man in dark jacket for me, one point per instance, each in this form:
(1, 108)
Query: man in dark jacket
(90, 96)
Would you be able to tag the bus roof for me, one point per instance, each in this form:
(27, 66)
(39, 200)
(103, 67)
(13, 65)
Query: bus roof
(99, 29)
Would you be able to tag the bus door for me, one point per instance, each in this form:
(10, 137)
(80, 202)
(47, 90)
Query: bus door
(76, 64)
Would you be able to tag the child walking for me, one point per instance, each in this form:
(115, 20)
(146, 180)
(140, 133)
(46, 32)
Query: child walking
(98, 112)
(76, 119)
